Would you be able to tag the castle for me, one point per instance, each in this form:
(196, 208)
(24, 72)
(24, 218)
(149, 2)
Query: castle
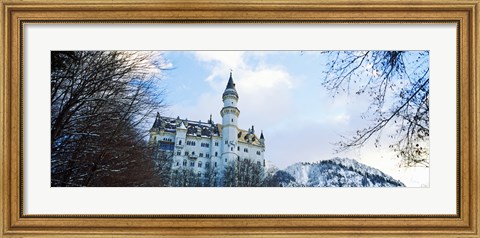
(205, 146)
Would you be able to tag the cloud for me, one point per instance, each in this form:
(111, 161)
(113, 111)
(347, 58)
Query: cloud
(227, 58)
(221, 62)
(205, 105)
(264, 90)
(264, 78)
(342, 118)
(265, 96)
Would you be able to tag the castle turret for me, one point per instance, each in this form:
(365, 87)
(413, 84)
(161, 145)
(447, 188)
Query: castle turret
(181, 134)
(156, 123)
(230, 115)
(155, 130)
(262, 139)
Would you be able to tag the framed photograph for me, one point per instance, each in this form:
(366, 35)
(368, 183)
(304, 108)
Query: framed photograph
(250, 118)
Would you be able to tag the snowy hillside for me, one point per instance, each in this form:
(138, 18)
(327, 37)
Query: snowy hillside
(339, 172)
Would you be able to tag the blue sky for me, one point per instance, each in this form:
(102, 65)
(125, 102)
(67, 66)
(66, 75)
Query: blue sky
(280, 92)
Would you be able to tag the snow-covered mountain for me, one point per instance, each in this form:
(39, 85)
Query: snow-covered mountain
(338, 172)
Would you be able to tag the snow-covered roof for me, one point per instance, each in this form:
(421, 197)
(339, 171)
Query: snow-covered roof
(248, 136)
(201, 129)
(194, 128)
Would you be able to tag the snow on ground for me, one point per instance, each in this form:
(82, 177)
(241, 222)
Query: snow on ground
(340, 172)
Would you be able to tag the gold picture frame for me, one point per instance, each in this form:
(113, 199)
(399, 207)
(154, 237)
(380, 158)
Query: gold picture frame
(17, 13)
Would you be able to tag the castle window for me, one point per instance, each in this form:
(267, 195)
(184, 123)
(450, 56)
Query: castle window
(238, 148)
(199, 164)
(232, 120)
(178, 163)
(225, 160)
(245, 150)
(258, 163)
(216, 154)
(186, 153)
(263, 163)
(201, 155)
(238, 158)
(231, 148)
(193, 152)
(207, 155)
(179, 152)
(216, 143)
(192, 163)
(166, 146)
(215, 164)
(199, 174)
(207, 164)
(226, 142)
(258, 152)
(184, 162)
(180, 142)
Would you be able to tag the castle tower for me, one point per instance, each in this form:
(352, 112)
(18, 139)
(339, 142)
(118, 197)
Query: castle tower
(229, 115)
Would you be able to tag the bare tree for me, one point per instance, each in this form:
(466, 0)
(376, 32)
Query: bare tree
(243, 173)
(397, 83)
(162, 165)
(99, 102)
(212, 177)
(185, 177)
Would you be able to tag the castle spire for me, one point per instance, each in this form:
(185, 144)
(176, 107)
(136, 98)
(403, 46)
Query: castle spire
(156, 123)
(230, 83)
(230, 89)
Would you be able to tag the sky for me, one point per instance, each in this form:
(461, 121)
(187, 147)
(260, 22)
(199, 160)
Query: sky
(281, 94)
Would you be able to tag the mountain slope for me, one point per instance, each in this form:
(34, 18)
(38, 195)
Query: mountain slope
(339, 172)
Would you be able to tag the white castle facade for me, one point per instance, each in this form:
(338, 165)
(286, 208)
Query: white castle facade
(208, 146)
